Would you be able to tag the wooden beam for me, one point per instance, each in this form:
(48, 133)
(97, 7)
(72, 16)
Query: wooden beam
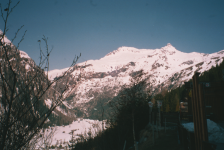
(195, 111)
(203, 129)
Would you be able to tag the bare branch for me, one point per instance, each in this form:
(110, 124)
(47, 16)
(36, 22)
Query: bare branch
(12, 7)
(21, 39)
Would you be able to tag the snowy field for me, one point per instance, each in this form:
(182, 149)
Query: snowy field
(62, 134)
(215, 132)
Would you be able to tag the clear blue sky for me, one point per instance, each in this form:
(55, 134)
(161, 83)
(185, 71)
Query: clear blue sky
(97, 27)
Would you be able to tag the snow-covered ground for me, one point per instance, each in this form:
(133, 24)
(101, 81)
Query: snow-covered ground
(63, 135)
(215, 132)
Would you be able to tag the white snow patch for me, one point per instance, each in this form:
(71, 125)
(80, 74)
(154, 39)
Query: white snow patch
(62, 110)
(215, 132)
(81, 126)
(24, 54)
(48, 102)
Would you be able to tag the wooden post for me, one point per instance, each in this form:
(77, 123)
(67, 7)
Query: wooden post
(189, 86)
(189, 98)
(203, 128)
(182, 136)
(159, 118)
(153, 139)
(165, 125)
(124, 145)
(199, 118)
(150, 114)
(195, 111)
(150, 111)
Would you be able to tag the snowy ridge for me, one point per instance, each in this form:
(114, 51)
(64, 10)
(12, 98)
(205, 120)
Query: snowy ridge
(159, 59)
(55, 73)
(24, 55)
(8, 42)
(5, 39)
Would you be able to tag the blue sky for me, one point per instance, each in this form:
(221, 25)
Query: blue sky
(97, 27)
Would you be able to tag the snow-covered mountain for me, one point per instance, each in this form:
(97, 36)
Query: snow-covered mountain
(23, 60)
(166, 68)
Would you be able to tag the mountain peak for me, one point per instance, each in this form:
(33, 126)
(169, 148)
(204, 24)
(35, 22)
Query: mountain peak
(168, 44)
(170, 49)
